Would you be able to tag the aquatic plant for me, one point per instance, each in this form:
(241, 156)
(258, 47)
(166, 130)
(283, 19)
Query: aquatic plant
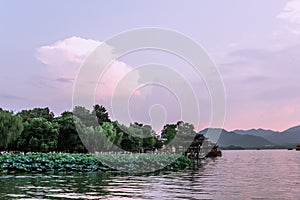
(66, 162)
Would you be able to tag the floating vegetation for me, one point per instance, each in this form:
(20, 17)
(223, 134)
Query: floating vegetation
(66, 162)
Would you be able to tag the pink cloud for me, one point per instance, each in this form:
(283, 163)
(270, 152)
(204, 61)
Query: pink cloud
(64, 58)
(111, 78)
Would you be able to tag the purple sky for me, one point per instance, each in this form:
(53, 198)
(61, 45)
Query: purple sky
(255, 45)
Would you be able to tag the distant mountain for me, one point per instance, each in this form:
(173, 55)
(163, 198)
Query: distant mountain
(293, 129)
(256, 132)
(246, 141)
(258, 138)
(289, 137)
(228, 139)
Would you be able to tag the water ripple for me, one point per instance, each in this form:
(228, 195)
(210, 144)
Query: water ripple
(237, 175)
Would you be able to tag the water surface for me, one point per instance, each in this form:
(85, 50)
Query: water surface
(263, 174)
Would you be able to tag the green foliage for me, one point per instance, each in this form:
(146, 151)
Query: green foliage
(87, 118)
(137, 163)
(149, 137)
(132, 138)
(68, 138)
(43, 162)
(169, 132)
(10, 128)
(37, 113)
(72, 131)
(101, 114)
(119, 137)
(38, 135)
(138, 137)
(100, 138)
(158, 143)
(131, 143)
(179, 135)
(109, 131)
(186, 134)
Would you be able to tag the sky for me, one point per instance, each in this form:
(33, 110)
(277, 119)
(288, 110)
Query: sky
(255, 46)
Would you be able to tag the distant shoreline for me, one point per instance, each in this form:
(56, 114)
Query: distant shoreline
(242, 149)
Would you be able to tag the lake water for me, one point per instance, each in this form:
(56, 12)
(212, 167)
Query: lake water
(255, 174)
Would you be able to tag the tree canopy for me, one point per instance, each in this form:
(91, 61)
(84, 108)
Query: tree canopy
(10, 128)
(38, 135)
(68, 138)
(84, 130)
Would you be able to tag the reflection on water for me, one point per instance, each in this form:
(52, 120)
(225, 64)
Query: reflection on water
(265, 174)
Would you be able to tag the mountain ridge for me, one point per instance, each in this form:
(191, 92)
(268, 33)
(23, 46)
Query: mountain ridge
(259, 138)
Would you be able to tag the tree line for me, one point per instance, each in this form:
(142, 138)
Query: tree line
(82, 130)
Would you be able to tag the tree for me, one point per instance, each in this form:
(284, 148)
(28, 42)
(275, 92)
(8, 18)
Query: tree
(101, 114)
(108, 136)
(137, 136)
(186, 134)
(38, 135)
(132, 137)
(98, 138)
(35, 113)
(85, 116)
(169, 132)
(149, 137)
(131, 143)
(10, 128)
(158, 143)
(179, 135)
(119, 136)
(68, 138)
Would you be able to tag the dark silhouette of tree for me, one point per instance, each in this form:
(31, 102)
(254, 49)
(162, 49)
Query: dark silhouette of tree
(68, 138)
(101, 114)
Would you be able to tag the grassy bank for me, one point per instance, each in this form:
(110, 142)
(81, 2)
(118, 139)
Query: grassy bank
(65, 162)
